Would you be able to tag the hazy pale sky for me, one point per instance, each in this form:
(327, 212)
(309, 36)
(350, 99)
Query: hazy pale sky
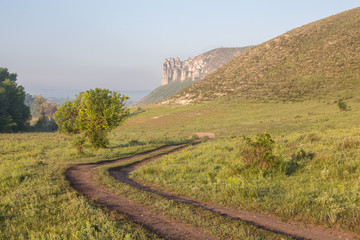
(121, 45)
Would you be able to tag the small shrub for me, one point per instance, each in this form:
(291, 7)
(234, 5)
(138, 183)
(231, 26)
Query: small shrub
(342, 105)
(135, 143)
(297, 161)
(259, 152)
(302, 155)
(78, 143)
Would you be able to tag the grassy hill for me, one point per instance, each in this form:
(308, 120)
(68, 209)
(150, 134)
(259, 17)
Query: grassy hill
(316, 60)
(164, 91)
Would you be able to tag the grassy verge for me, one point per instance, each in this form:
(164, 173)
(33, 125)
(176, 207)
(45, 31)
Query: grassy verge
(36, 202)
(213, 223)
(323, 188)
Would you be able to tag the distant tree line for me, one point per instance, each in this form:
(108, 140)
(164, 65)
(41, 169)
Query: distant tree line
(14, 114)
(42, 111)
(91, 115)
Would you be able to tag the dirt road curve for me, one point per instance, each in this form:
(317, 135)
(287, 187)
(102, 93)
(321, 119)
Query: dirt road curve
(80, 177)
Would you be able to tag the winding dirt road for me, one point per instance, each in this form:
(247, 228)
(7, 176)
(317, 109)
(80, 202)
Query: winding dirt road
(81, 178)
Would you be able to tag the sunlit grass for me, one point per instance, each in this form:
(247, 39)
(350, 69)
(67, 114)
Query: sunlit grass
(212, 223)
(37, 202)
(324, 189)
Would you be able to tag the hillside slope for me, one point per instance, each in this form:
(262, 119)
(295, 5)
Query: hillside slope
(163, 92)
(177, 75)
(316, 60)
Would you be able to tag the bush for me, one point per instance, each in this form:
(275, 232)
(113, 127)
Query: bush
(297, 161)
(258, 152)
(78, 142)
(93, 113)
(302, 155)
(342, 105)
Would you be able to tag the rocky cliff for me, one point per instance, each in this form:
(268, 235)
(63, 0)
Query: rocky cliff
(196, 68)
(178, 75)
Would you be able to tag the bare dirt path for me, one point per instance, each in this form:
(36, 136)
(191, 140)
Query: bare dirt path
(80, 177)
(269, 222)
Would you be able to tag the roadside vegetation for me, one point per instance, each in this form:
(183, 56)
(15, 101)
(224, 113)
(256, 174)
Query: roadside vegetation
(317, 180)
(213, 223)
(91, 116)
(36, 201)
(315, 171)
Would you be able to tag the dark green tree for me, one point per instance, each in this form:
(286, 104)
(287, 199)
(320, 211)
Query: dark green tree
(93, 113)
(14, 114)
(4, 74)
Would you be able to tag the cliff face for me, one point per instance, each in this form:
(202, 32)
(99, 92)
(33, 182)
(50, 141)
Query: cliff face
(178, 75)
(196, 68)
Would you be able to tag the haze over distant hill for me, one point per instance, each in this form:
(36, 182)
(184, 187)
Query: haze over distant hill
(320, 59)
(177, 75)
(61, 95)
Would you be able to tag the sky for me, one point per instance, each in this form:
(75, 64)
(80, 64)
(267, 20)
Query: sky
(121, 45)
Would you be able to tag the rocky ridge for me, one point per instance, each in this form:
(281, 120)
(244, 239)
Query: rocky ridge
(196, 68)
(178, 75)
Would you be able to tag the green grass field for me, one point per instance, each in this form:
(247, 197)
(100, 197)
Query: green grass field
(36, 201)
(323, 188)
(212, 223)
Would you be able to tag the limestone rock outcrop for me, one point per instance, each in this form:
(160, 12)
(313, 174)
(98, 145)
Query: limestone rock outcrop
(196, 68)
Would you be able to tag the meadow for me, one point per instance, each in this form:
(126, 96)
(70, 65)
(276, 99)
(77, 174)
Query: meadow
(317, 182)
(36, 201)
(317, 142)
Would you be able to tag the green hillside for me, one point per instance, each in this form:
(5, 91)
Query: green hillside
(316, 60)
(164, 91)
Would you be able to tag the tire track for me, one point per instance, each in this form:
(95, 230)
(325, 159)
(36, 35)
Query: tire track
(271, 223)
(81, 178)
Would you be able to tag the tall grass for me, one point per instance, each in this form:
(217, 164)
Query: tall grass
(36, 202)
(319, 180)
(213, 223)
